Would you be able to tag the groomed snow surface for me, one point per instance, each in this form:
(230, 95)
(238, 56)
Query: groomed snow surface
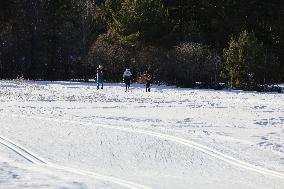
(69, 135)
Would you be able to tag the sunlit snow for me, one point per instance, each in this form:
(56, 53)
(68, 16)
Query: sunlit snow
(169, 138)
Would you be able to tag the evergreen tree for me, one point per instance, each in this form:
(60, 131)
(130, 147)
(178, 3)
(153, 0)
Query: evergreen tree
(137, 21)
(244, 61)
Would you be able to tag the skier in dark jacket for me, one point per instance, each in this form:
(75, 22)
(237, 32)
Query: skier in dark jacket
(148, 81)
(127, 78)
(100, 77)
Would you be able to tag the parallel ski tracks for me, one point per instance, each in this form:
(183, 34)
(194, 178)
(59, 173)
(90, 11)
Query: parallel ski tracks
(35, 159)
(23, 152)
(206, 150)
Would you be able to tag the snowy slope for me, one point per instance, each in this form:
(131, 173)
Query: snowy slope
(169, 138)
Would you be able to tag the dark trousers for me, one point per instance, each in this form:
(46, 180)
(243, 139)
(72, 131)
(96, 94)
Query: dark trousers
(127, 84)
(148, 87)
(100, 81)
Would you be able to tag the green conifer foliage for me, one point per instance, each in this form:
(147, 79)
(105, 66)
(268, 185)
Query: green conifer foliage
(137, 21)
(244, 61)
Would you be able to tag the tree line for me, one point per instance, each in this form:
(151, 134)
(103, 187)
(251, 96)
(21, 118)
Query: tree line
(182, 42)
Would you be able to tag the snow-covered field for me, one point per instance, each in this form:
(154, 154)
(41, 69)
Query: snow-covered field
(69, 135)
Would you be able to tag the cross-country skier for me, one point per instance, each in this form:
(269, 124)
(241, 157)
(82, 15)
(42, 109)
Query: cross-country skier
(100, 77)
(127, 78)
(148, 80)
(148, 83)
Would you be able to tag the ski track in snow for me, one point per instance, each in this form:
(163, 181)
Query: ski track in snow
(206, 150)
(35, 159)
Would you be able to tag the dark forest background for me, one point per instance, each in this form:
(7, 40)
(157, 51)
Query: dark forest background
(182, 42)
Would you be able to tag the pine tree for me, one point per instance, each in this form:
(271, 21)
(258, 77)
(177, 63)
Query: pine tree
(137, 21)
(244, 61)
